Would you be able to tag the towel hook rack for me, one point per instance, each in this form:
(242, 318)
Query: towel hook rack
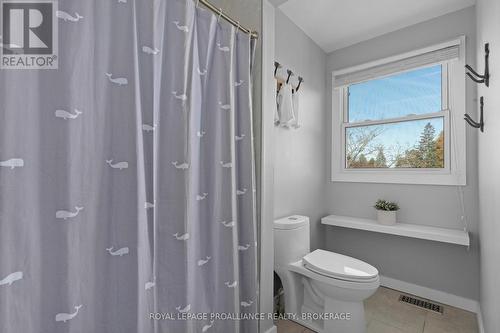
(290, 73)
(473, 123)
(481, 78)
(281, 81)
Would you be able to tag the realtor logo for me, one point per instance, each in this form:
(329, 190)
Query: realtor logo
(29, 37)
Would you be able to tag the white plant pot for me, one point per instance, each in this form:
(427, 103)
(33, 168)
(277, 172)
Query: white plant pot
(386, 217)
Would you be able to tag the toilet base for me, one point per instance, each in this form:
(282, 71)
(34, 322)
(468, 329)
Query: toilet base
(322, 304)
(345, 317)
(340, 317)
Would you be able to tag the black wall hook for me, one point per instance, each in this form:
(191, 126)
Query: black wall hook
(290, 73)
(277, 65)
(481, 78)
(479, 124)
(300, 82)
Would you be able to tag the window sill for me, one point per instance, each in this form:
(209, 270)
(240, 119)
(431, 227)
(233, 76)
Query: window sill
(451, 236)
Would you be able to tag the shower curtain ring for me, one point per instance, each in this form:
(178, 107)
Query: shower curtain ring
(238, 27)
(220, 14)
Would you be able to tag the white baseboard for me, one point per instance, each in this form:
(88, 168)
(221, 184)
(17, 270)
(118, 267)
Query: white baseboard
(480, 323)
(273, 329)
(432, 294)
(428, 293)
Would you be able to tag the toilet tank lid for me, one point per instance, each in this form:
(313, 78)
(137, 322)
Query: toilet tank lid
(291, 222)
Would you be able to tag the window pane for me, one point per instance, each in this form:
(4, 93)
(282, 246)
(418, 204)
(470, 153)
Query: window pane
(408, 144)
(414, 92)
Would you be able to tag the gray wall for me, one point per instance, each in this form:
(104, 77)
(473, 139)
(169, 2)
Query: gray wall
(434, 265)
(299, 162)
(488, 19)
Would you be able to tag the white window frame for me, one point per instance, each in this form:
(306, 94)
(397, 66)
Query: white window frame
(454, 105)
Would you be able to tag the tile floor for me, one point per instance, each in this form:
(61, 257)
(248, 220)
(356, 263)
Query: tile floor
(385, 314)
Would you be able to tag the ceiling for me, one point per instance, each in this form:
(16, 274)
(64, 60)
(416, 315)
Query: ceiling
(334, 24)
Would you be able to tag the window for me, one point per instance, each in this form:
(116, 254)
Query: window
(399, 120)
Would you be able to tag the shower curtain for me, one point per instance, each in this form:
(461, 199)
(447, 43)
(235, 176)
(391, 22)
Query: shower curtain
(127, 196)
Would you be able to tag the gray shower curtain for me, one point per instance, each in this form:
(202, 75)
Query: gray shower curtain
(127, 199)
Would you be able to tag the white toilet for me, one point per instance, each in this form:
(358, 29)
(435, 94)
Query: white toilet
(324, 291)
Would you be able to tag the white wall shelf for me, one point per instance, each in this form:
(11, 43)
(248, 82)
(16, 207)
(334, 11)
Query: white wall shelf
(452, 236)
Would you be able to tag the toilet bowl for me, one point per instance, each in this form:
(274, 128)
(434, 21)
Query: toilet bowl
(323, 290)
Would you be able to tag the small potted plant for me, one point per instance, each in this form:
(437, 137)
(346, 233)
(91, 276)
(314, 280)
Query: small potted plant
(386, 212)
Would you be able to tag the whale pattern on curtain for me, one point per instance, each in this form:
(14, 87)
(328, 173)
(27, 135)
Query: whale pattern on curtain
(127, 175)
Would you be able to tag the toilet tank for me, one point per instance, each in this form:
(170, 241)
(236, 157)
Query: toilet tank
(291, 239)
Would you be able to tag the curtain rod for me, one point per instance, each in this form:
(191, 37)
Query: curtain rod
(218, 11)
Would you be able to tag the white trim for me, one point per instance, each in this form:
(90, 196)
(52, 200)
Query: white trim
(480, 322)
(273, 329)
(431, 294)
(266, 261)
(424, 116)
(454, 172)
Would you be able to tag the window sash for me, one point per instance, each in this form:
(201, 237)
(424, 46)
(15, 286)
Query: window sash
(444, 96)
(445, 114)
(397, 120)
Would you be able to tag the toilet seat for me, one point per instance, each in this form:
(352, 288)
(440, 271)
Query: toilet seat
(339, 266)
